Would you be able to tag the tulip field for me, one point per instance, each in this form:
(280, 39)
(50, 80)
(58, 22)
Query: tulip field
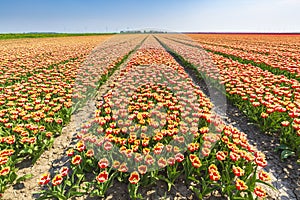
(267, 93)
(36, 96)
(150, 120)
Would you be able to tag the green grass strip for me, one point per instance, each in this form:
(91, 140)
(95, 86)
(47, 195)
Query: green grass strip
(5, 36)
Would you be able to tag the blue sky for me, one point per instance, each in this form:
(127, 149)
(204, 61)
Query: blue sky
(172, 15)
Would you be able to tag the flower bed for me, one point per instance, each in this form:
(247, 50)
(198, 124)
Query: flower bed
(279, 52)
(155, 124)
(36, 97)
(270, 100)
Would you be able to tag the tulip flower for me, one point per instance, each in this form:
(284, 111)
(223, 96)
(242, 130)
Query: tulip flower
(240, 185)
(102, 177)
(134, 177)
(45, 179)
(57, 180)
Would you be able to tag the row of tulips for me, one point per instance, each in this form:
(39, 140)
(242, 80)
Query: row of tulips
(34, 109)
(273, 49)
(155, 124)
(100, 65)
(278, 62)
(279, 45)
(272, 101)
(31, 113)
(23, 58)
(23, 79)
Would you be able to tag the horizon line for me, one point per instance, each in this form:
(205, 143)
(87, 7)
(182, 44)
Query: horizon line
(184, 32)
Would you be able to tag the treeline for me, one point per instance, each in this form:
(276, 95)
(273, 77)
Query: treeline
(140, 32)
